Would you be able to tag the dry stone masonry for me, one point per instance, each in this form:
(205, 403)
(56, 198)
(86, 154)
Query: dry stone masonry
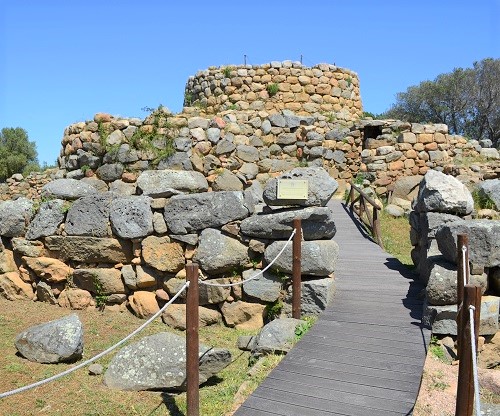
(441, 211)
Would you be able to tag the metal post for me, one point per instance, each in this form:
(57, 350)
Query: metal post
(301, 59)
(245, 58)
(462, 241)
(296, 268)
(465, 388)
(192, 342)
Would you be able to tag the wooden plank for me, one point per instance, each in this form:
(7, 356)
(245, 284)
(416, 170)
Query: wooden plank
(338, 371)
(363, 388)
(342, 399)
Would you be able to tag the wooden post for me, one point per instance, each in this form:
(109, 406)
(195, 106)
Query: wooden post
(376, 228)
(462, 241)
(296, 268)
(465, 388)
(192, 342)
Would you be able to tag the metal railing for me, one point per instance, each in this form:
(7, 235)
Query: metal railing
(369, 217)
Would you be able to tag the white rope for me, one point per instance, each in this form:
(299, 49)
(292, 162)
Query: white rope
(465, 264)
(474, 360)
(70, 370)
(204, 282)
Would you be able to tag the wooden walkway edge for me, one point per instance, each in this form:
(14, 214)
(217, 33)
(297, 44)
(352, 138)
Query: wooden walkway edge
(365, 354)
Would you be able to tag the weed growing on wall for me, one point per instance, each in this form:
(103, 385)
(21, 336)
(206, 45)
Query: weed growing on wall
(272, 89)
(156, 137)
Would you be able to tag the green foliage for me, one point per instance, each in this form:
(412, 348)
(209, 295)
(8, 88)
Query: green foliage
(467, 100)
(272, 89)
(273, 310)
(100, 297)
(188, 99)
(349, 81)
(103, 131)
(17, 153)
(158, 138)
(436, 349)
(85, 168)
(227, 71)
(482, 200)
(303, 327)
(232, 107)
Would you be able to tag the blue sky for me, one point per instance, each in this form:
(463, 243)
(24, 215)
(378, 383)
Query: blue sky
(63, 61)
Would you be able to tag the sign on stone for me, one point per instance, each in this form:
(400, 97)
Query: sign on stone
(292, 189)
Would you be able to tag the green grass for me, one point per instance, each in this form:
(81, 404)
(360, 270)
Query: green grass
(396, 237)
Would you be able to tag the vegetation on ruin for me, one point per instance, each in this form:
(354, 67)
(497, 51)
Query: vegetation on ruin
(17, 153)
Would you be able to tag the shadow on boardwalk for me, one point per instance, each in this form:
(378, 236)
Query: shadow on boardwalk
(365, 354)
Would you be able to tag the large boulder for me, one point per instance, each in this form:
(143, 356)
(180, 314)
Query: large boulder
(317, 224)
(175, 316)
(15, 216)
(316, 295)
(265, 287)
(406, 187)
(159, 362)
(49, 269)
(484, 241)
(321, 187)
(218, 253)
(442, 285)
(160, 253)
(318, 257)
(143, 303)
(187, 213)
(67, 189)
(243, 315)
(131, 217)
(276, 337)
(23, 247)
(227, 181)
(56, 341)
(100, 281)
(89, 215)
(490, 190)
(443, 193)
(47, 219)
(165, 183)
(12, 287)
(90, 249)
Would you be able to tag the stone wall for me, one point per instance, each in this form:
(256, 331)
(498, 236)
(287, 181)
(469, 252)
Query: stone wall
(323, 88)
(85, 245)
(442, 210)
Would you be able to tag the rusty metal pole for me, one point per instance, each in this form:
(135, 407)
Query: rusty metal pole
(462, 276)
(296, 268)
(465, 388)
(192, 342)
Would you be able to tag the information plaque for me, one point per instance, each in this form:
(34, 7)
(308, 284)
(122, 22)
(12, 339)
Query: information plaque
(292, 189)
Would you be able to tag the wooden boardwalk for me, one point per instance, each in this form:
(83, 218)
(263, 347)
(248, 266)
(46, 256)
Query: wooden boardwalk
(365, 354)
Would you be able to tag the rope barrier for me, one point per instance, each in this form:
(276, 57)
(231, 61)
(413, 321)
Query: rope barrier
(465, 264)
(204, 282)
(102, 354)
(474, 361)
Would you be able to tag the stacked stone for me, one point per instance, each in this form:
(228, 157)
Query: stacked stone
(392, 149)
(277, 86)
(441, 211)
(86, 246)
(29, 187)
(319, 251)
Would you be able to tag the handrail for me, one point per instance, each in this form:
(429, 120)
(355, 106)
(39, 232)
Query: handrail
(372, 221)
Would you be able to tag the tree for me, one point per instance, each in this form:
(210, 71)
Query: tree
(467, 100)
(17, 153)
